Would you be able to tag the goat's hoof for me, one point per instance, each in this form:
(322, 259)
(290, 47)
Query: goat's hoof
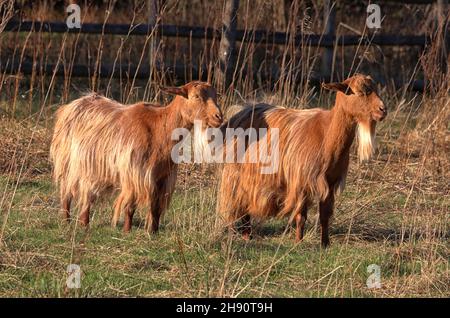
(84, 223)
(247, 236)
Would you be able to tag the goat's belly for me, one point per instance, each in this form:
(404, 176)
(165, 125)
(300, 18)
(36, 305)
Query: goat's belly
(100, 187)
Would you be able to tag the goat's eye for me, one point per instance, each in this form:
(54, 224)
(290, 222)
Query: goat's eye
(196, 96)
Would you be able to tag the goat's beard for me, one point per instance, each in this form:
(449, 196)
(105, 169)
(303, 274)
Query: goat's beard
(366, 140)
(203, 143)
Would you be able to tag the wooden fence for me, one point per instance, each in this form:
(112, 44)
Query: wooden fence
(227, 36)
(256, 36)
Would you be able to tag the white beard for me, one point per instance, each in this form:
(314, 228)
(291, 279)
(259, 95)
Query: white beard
(366, 141)
(201, 146)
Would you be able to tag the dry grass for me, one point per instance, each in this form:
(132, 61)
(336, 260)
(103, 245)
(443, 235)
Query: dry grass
(394, 212)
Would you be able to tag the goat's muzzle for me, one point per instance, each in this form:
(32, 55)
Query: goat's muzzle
(380, 113)
(216, 120)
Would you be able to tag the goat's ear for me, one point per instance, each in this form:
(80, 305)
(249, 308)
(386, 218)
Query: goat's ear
(182, 91)
(342, 87)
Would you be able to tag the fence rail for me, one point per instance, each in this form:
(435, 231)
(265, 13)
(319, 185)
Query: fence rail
(144, 72)
(328, 40)
(257, 36)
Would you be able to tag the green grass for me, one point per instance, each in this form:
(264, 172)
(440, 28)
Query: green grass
(191, 257)
(394, 213)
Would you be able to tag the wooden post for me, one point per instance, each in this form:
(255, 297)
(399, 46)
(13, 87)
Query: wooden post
(227, 45)
(437, 52)
(441, 32)
(152, 7)
(329, 30)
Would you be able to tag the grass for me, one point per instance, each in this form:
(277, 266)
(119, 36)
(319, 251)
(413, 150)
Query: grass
(394, 212)
(190, 257)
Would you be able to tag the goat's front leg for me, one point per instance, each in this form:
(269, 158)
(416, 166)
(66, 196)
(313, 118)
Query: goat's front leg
(160, 201)
(84, 214)
(153, 215)
(325, 212)
(87, 201)
(117, 210)
(130, 207)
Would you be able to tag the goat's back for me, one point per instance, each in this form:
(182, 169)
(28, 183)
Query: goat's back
(98, 144)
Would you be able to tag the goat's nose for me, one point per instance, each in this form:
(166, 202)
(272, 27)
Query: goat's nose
(219, 116)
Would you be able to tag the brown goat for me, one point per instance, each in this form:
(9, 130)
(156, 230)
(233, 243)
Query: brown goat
(314, 148)
(99, 144)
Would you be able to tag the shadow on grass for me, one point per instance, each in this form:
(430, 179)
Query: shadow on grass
(362, 231)
(376, 233)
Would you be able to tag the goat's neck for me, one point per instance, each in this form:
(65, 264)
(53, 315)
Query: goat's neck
(339, 136)
(174, 112)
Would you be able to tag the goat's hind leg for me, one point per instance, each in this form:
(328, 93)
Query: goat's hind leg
(246, 227)
(300, 220)
(232, 217)
(124, 202)
(129, 207)
(239, 223)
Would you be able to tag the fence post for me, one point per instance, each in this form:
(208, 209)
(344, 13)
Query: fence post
(227, 45)
(329, 30)
(441, 31)
(436, 68)
(152, 7)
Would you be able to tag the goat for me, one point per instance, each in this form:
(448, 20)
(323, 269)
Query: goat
(313, 145)
(100, 144)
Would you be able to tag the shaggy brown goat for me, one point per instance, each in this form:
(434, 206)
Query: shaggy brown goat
(313, 160)
(100, 144)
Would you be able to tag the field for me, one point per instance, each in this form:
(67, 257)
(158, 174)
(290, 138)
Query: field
(394, 212)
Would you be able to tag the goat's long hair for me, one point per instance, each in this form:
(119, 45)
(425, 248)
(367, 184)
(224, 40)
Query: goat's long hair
(313, 156)
(262, 189)
(99, 144)
(91, 150)
(301, 173)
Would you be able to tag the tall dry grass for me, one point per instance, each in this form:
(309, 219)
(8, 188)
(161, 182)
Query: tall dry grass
(399, 201)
